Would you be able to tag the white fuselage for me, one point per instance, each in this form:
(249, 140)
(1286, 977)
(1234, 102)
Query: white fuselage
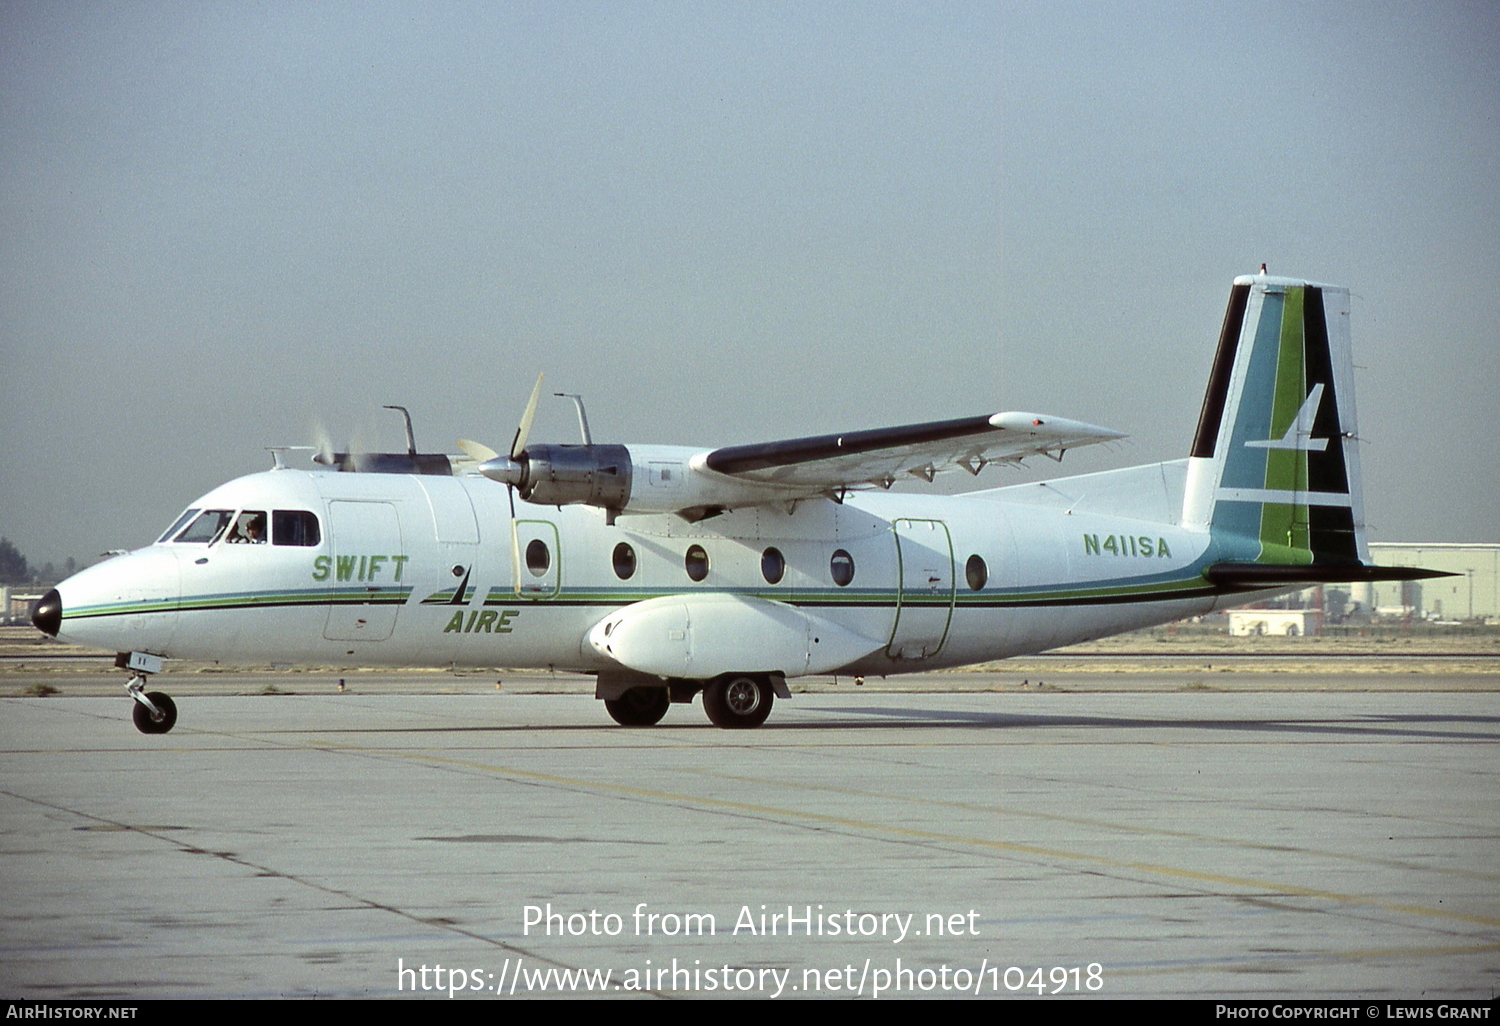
(420, 570)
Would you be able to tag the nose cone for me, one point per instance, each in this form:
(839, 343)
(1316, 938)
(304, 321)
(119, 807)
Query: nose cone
(47, 615)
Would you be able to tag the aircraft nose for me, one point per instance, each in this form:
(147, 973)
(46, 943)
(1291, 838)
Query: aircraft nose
(47, 616)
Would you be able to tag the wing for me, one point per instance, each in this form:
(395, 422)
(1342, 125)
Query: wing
(882, 455)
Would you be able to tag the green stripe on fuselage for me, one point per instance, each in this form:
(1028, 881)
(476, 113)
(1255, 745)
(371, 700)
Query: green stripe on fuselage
(1184, 583)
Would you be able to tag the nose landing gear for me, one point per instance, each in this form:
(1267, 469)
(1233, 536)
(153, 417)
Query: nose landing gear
(154, 712)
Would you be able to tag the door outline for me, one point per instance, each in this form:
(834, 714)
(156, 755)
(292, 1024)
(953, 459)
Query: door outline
(897, 647)
(373, 619)
(527, 585)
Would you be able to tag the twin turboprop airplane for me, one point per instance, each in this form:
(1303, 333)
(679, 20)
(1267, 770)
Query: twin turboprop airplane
(667, 571)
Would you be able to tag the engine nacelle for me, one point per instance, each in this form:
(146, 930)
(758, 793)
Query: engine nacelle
(559, 475)
(637, 479)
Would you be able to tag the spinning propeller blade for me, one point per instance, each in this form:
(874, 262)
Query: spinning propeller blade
(476, 451)
(524, 429)
(509, 471)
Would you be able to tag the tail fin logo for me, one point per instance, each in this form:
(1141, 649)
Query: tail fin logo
(1274, 470)
(1298, 437)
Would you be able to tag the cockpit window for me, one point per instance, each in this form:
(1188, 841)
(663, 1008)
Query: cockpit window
(294, 527)
(207, 528)
(249, 528)
(177, 525)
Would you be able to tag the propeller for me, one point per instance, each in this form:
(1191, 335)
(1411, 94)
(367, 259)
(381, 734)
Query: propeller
(355, 453)
(510, 471)
(524, 428)
(324, 444)
(477, 451)
(329, 455)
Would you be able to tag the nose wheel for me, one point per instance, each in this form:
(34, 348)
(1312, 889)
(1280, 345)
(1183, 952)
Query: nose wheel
(154, 712)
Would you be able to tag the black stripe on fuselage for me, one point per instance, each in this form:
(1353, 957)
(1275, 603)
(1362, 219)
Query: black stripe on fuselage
(999, 603)
(1214, 400)
(321, 601)
(1077, 600)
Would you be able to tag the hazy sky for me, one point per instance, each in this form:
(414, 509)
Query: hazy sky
(223, 224)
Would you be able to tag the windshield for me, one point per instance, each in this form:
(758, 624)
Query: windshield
(207, 528)
(177, 525)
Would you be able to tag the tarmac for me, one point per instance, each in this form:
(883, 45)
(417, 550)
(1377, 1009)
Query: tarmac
(1333, 839)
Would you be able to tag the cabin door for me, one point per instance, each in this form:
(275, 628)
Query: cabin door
(365, 594)
(924, 588)
(538, 559)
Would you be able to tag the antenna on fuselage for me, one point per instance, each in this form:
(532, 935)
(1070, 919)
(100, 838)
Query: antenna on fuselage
(411, 438)
(278, 453)
(583, 418)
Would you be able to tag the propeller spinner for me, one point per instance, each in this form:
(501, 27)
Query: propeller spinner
(554, 475)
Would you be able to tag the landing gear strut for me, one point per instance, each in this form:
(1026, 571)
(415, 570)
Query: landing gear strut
(154, 711)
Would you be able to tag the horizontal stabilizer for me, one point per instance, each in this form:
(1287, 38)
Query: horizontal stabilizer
(1253, 576)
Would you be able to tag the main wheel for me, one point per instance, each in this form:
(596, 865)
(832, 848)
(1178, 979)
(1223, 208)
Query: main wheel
(143, 721)
(639, 707)
(738, 701)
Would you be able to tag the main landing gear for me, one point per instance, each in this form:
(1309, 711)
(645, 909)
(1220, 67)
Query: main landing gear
(154, 711)
(737, 701)
(639, 707)
(734, 701)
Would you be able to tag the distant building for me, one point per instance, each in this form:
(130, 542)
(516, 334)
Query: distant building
(1291, 623)
(1473, 594)
(15, 604)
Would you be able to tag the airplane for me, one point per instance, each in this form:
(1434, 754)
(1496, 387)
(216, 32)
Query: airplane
(667, 572)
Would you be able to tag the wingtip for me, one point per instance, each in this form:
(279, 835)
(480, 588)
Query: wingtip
(1044, 424)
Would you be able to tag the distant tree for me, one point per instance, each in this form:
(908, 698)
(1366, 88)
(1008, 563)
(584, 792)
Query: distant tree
(70, 567)
(13, 568)
(47, 574)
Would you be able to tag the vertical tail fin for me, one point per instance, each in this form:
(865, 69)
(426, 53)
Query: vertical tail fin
(1274, 469)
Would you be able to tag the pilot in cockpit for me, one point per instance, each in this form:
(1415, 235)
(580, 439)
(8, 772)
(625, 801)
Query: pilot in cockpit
(249, 529)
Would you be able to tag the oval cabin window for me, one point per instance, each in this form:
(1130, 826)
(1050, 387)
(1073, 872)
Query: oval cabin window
(976, 573)
(772, 565)
(841, 566)
(538, 558)
(624, 560)
(697, 563)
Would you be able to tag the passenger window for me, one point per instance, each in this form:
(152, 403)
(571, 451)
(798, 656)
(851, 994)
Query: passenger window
(624, 560)
(772, 565)
(697, 563)
(538, 558)
(207, 528)
(842, 568)
(975, 572)
(177, 525)
(249, 528)
(295, 527)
